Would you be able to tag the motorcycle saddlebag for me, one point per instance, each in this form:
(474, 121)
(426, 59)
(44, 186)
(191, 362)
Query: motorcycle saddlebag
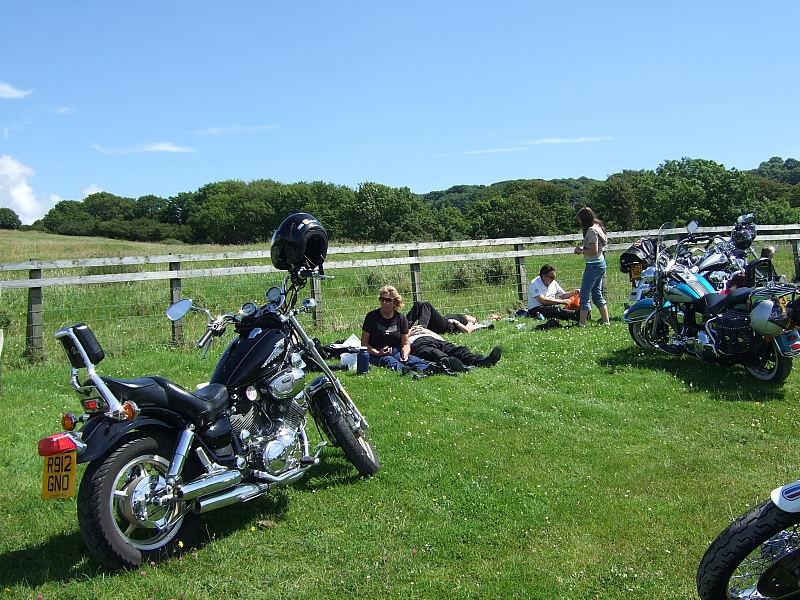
(735, 336)
(642, 252)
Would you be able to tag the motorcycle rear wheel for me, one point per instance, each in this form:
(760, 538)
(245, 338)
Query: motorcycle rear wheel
(753, 558)
(772, 366)
(111, 490)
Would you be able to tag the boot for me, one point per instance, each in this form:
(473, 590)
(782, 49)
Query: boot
(491, 360)
(452, 363)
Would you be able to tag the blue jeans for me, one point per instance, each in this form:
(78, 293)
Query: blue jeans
(393, 362)
(592, 284)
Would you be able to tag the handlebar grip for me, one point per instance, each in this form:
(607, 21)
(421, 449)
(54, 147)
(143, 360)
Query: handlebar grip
(206, 336)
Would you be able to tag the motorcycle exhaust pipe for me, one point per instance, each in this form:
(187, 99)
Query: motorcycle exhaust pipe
(208, 484)
(239, 494)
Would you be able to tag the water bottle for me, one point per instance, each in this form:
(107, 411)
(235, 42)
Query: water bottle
(362, 363)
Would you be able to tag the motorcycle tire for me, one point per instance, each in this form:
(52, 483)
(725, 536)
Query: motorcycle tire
(772, 366)
(356, 446)
(108, 490)
(660, 337)
(754, 557)
(635, 329)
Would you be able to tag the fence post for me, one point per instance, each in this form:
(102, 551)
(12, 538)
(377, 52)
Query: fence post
(522, 277)
(34, 340)
(316, 293)
(175, 295)
(416, 277)
(796, 252)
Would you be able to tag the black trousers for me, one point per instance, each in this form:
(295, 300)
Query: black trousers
(430, 318)
(555, 312)
(431, 349)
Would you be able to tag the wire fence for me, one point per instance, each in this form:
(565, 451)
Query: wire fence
(130, 316)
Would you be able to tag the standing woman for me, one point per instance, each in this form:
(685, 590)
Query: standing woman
(385, 334)
(594, 240)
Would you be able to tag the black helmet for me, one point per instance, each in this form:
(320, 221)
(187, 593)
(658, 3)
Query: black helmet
(743, 235)
(300, 242)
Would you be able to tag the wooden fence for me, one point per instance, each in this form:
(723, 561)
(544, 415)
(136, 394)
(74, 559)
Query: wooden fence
(416, 258)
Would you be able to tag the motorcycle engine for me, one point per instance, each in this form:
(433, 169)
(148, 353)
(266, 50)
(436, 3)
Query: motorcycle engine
(269, 425)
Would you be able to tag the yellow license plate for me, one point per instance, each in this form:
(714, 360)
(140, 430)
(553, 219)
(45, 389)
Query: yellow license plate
(636, 271)
(58, 479)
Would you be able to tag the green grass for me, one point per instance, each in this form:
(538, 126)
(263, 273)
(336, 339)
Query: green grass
(579, 467)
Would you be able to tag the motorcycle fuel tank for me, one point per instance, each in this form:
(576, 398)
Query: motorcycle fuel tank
(688, 288)
(248, 358)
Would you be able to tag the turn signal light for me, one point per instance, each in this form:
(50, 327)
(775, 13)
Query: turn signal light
(55, 444)
(130, 411)
(68, 422)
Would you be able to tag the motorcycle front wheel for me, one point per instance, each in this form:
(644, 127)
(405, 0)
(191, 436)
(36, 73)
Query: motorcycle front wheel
(755, 557)
(353, 441)
(660, 330)
(637, 334)
(771, 365)
(119, 524)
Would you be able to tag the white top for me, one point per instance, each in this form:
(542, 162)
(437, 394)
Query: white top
(538, 288)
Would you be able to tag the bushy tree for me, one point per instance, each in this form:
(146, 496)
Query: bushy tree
(9, 219)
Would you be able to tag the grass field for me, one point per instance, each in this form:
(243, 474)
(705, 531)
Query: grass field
(579, 467)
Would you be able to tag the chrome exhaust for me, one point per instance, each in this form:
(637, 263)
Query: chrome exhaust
(208, 484)
(239, 494)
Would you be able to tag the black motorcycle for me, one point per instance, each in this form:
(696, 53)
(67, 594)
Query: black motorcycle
(159, 456)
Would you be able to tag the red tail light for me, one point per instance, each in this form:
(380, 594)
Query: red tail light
(55, 444)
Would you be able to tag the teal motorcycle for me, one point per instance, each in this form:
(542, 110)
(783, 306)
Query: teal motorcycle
(686, 315)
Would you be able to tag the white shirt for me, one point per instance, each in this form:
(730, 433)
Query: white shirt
(538, 288)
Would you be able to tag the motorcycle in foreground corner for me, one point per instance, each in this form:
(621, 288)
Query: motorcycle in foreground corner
(757, 557)
(752, 326)
(159, 456)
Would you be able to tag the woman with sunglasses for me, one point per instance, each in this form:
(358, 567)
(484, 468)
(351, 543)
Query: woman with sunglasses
(385, 335)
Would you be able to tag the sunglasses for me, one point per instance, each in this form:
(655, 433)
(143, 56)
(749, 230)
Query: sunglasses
(384, 299)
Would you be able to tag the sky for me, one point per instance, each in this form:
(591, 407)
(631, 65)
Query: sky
(138, 98)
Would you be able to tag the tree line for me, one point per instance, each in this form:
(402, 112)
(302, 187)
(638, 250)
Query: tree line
(235, 212)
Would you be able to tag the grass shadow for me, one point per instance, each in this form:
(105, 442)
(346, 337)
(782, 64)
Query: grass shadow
(702, 375)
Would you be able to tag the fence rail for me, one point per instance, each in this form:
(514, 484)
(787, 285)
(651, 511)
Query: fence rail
(465, 251)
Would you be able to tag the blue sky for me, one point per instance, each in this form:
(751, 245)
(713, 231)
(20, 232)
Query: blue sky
(159, 98)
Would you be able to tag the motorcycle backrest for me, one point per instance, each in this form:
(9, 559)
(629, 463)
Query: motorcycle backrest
(80, 334)
(759, 272)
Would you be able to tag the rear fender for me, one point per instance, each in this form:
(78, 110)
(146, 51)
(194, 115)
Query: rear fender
(101, 434)
(787, 497)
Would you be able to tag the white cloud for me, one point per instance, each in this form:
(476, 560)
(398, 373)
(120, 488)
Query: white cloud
(16, 194)
(580, 140)
(157, 147)
(64, 110)
(494, 150)
(92, 189)
(9, 91)
(233, 129)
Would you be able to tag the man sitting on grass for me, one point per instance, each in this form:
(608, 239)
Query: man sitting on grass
(547, 298)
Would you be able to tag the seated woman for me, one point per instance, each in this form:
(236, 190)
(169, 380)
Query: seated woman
(430, 318)
(548, 298)
(385, 334)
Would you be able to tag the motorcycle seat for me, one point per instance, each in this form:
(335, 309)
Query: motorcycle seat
(716, 304)
(201, 407)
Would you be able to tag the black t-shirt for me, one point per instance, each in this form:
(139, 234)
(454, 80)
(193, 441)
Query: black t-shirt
(460, 318)
(385, 332)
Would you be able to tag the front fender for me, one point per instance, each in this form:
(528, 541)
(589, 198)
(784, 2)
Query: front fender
(323, 400)
(101, 435)
(639, 311)
(787, 497)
